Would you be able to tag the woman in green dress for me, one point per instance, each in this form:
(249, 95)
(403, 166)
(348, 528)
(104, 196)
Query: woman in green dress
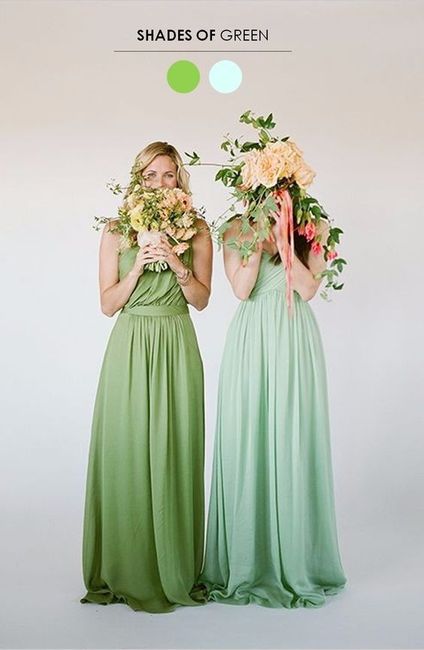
(144, 505)
(271, 536)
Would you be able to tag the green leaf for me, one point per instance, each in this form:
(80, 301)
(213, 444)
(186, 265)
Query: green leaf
(246, 118)
(194, 158)
(245, 226)
(223, 227)
(248, 146)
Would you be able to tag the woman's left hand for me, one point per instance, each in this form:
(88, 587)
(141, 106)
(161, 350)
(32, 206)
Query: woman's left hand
(164, 253)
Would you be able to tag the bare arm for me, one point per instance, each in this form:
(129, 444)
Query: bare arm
(114, 293)
(242, 277)
(303, 278)
(197, 291)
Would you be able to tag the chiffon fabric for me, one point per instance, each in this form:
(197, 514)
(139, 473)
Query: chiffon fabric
(143, 531)
(271, 535)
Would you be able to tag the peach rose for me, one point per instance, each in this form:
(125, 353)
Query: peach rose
(267, 168)
(289, 155)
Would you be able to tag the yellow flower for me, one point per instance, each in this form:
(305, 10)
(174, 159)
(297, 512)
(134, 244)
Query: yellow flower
(136, 219)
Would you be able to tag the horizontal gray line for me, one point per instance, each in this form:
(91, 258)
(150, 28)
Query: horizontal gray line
(208, 51)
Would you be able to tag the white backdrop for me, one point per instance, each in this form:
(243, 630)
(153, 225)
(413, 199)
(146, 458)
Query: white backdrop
(73, 115)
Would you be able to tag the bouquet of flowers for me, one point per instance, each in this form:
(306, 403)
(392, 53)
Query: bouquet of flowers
(269, 176)
(148, 214)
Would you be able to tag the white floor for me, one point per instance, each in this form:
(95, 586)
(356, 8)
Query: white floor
(381, 606)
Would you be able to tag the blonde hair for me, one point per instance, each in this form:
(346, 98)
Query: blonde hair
(148, 154)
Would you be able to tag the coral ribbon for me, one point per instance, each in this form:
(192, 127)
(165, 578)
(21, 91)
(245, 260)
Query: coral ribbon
(285, 239)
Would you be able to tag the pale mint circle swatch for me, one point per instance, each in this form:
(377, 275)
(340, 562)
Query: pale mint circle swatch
(183, 76)
(225, 76)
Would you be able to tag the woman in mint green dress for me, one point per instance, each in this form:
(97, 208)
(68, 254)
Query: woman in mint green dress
(143, 531)
(271, 536)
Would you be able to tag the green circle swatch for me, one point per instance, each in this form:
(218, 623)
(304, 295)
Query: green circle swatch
(183, 76)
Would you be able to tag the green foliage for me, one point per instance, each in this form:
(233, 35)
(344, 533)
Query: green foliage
(259, 204)
(194, 158)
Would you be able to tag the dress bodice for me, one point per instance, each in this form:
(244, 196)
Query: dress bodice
(153, 288)
(271, 277)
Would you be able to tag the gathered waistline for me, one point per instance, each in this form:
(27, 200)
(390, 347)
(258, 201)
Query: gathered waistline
(259, 293)
(156, 310)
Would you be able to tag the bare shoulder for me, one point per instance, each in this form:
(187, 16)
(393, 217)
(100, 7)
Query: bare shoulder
(233, 229)
(109, 226)
(202, 228)
(109, 237)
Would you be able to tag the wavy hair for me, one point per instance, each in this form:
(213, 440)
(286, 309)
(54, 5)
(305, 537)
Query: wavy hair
(148, 154)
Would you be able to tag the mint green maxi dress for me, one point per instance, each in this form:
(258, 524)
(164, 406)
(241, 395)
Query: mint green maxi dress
(271, 535)
(143, 531)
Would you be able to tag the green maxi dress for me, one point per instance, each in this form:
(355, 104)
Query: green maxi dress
(271, 536)
(143, 530)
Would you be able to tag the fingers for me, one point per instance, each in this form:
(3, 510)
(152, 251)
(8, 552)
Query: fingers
(145, 256)
(146, 247)
(152, 256)
(160, 252)
(163, 251)
(160, 258)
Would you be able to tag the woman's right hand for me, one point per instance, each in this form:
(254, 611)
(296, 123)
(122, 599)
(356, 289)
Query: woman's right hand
(144, 256)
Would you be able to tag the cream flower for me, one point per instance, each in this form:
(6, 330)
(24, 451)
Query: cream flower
(149, 237)
(188, 234)
(248, 171)
(304, 175)
(185, 221)
(180, 248)
(268, 168)
(132, 201)
(170, 230)
(179, 233)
